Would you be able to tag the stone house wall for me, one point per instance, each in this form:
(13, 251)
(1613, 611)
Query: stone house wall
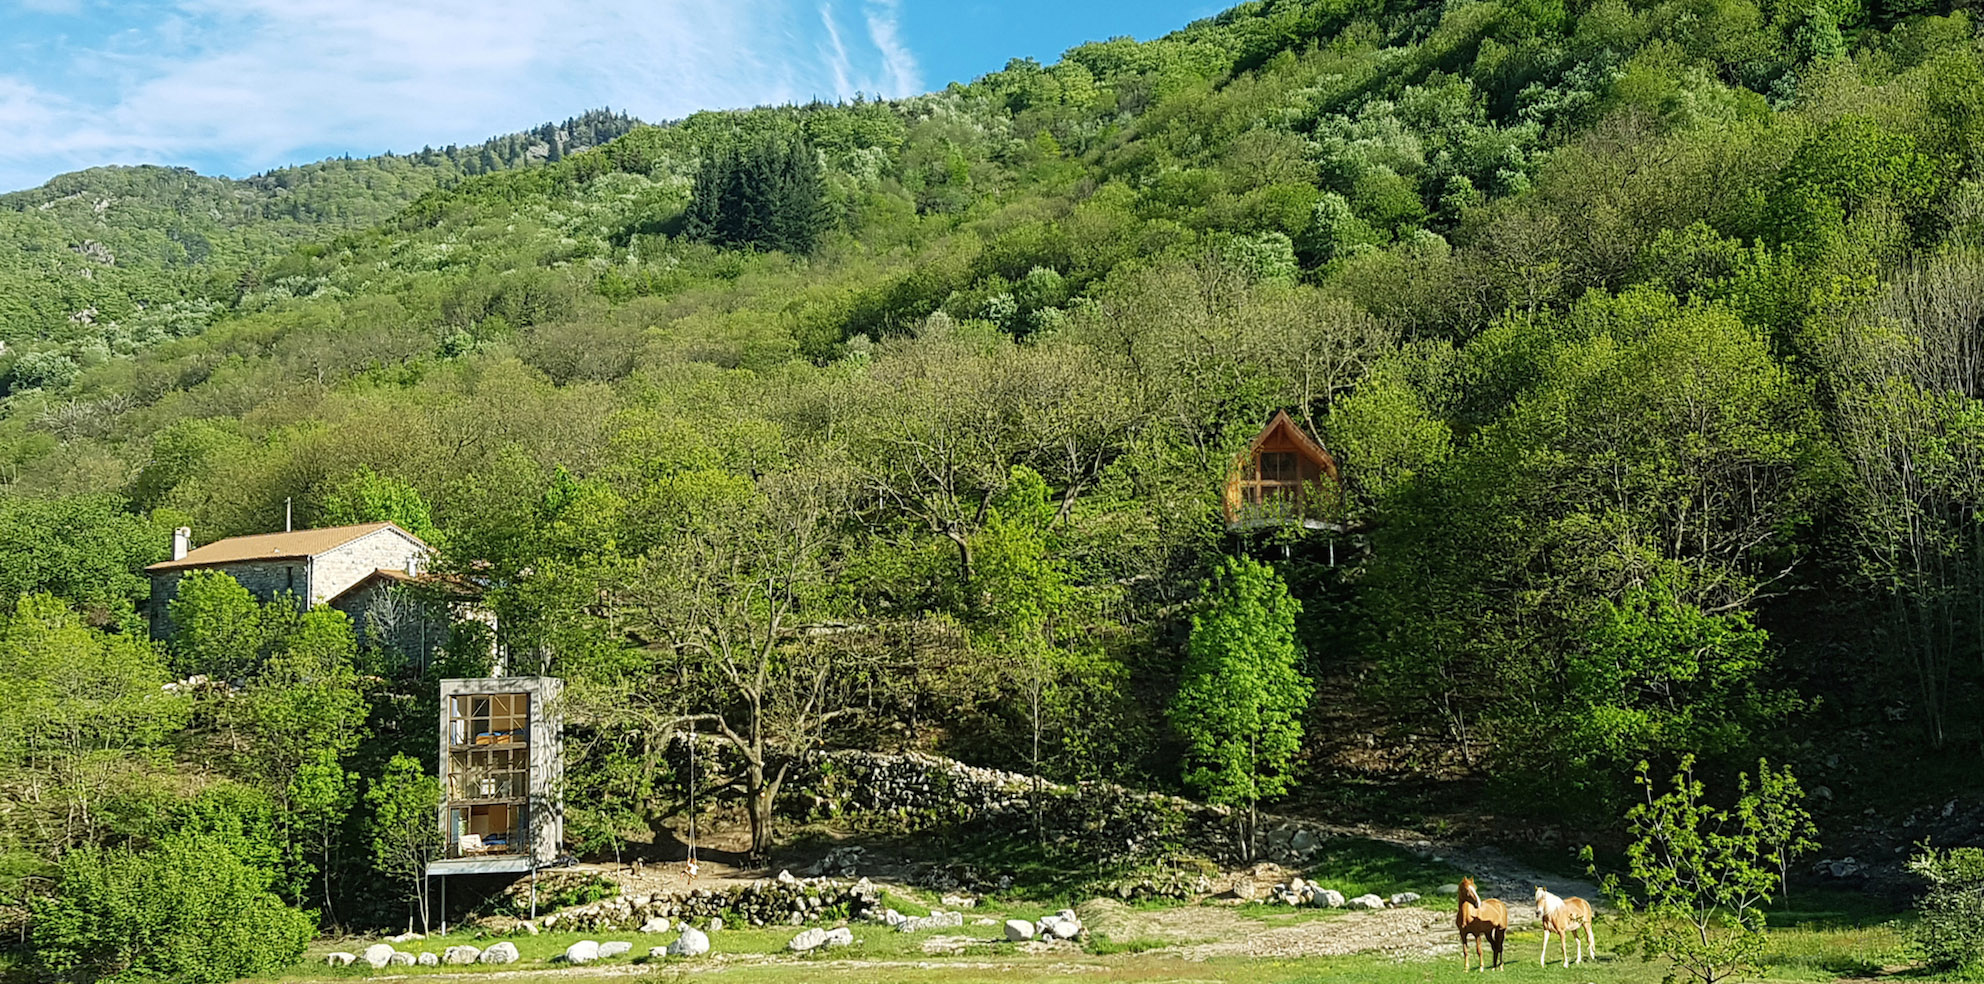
(337, 569)
(265, 579)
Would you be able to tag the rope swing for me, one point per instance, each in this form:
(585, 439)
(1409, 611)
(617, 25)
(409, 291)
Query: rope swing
(689, 865)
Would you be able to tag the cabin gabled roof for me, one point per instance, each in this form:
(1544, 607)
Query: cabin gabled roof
(293, 545)
(1285, 426)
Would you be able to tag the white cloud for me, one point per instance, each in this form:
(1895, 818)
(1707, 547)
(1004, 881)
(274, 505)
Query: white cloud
(254, 84)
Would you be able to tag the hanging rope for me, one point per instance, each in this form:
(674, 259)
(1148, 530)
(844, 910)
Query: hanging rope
(689, 866)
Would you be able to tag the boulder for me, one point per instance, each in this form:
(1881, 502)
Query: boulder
(1018, 931)
(528, 928)
(1403, 898)
(657, 952)
(960, 901)
(584, 951)
(658, 924)
(499, 953)
(1366, 902)
(614, 948)
(839, 936)
(785, 878)
(937, 919)
(1449, 889)
(808, 939)
(401, 958)
(1304, 841)
(716, 923)
(429, 960)
(1066, 929)
(340, 959)
(406, 937)
(460, 955)
(692, 943)
(377, 955)
(1328, 898)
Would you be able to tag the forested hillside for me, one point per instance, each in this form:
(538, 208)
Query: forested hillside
(1647, 335)
(105, 262)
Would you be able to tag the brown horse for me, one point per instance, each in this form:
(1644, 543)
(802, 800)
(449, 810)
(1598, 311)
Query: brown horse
(1566, 917)
(1482, 920)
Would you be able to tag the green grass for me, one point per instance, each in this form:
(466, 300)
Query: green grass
(757, 956)
(1359, 867)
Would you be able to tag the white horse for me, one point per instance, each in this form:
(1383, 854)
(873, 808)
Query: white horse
(1566, 916)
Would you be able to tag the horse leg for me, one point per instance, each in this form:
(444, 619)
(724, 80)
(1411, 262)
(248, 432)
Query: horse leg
(1464, 968)
(1495, 943)
(1545, 957)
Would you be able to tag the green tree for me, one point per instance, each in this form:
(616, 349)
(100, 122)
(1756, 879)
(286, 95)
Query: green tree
(1777, 811)
(404, 828)
(82, 714)
(1951, 930)
(188, 911)
(218, 628)
(1704, 874)
(1025, 597)
(768, 193)
(1241, 694)
(369, 497)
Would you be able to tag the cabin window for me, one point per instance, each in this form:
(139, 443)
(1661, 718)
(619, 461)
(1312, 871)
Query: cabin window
(488, 783)
(1278, 466)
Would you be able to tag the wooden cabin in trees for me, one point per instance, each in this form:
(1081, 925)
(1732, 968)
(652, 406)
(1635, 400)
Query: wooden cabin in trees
(1284, 477)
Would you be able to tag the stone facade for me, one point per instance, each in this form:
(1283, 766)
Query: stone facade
(337, 570)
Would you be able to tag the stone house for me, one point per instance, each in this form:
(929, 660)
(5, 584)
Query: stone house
(365, 571)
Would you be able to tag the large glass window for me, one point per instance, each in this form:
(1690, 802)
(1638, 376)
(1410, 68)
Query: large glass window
(488, 783)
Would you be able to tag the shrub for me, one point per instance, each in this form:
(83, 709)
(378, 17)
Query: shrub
(188, 911)
(1950, 934)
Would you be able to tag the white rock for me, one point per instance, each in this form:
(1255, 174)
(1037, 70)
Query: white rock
(657, 952)
(1449, 889)
(1018, 931)
(614, 948)
(1328, 898)
(405, 938)
(692, 943)
(655, 925)
(584, 951)
(808, 939)
(499, 953)
(1066, 929)
(340, 959)
(1366, 902)
(460, 955)
(529, 928)
(429, 960)
(377, 955)
(840, 936)
(1403, 898)
(1296, 885)
(937, 919)
(401, 958)
(960, 901)
(892, 917)
(785, 878)
(716, 923)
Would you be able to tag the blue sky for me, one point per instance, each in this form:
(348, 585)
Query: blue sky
(239, 86)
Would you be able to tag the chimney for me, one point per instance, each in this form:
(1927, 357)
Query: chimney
(182, 541)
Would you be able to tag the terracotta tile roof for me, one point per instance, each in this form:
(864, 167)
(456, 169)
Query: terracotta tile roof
(273, 546)
(446, 584)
